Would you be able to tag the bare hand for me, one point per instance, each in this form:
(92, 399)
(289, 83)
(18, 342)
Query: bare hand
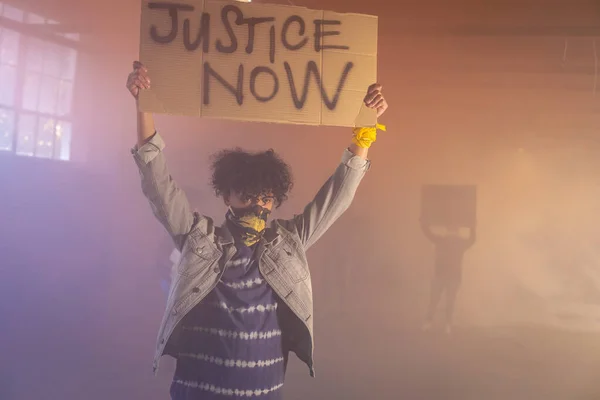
(375, 100)
(138, 79)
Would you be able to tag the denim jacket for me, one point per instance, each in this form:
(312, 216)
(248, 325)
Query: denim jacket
(206, 248)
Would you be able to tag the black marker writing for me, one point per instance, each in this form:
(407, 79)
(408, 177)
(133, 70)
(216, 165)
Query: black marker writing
(320, 32)
(272, 44)
(312, 68)
(254, 75)
(252, 22)
(202, 37)
(239, 19)
(301, 28)
(292, 39)
(238, 91)
(173, 8)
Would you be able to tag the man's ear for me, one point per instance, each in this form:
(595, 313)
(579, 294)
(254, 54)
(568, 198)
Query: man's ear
(226, 199)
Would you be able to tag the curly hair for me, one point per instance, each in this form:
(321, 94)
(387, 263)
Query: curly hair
(253, 174)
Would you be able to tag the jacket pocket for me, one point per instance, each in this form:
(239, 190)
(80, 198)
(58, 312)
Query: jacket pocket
(198, 254)
(291, 260)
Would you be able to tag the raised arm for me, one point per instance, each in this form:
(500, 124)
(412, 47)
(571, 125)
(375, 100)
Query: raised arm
(139, 80)
(336, 195)
(428, 233)
(169, 203)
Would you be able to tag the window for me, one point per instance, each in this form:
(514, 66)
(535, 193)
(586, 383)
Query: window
(36, 91)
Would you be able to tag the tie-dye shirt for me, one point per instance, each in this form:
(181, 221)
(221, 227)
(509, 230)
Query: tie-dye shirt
(231, 342)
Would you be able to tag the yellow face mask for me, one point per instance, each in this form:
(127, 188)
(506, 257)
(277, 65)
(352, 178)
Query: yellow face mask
(248, 224)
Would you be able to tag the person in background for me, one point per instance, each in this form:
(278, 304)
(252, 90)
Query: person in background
(449, 251)
(242, 298)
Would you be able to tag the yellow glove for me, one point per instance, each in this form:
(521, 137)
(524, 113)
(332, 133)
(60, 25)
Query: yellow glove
(364, 137)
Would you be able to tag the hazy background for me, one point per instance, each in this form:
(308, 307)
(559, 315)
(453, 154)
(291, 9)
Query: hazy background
(502, 94)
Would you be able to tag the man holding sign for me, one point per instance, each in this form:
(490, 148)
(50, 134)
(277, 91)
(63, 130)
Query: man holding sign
(241, 299)
(241, 296)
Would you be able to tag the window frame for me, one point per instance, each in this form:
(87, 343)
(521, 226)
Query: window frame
(28, 32)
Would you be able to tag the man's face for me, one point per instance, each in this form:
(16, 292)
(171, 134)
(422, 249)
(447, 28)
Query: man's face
(239, 200)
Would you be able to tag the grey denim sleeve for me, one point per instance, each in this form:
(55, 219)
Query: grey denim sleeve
(332, 200)
(168, 202)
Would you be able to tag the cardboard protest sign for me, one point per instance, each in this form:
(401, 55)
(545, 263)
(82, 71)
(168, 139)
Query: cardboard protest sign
(258, 62)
